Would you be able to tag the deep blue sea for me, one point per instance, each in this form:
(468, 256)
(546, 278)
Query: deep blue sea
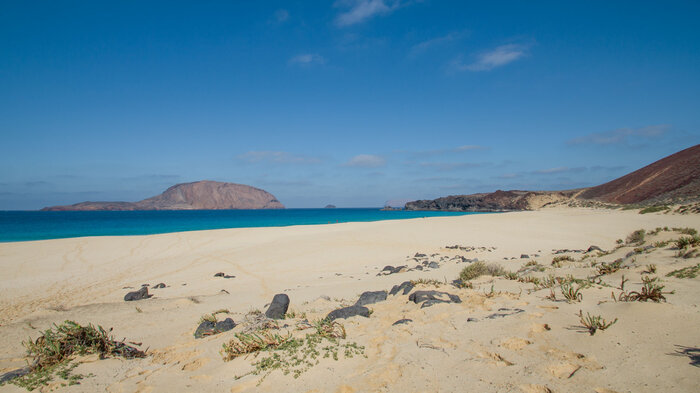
(38, 225)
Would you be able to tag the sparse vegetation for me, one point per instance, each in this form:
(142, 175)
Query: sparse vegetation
(427, 282)
(609, 268)
(654, 209)
(593, 323)
(290, 354)
(636, 237)
(53, 351)
(650, 269)
(478, 269)
(570, 294)
(651, 290)
(686, 231)
(686, 272)
(556, 262)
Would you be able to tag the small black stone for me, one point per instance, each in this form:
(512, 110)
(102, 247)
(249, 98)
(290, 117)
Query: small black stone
(371, 298)
(10, 375)
(158, 286)
(404, 287)
(137, 295)
(278, 307)
(347, 312)
(402, 321)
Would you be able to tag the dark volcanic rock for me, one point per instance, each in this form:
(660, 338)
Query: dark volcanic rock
(348, 312)
(224, 275)
(278, 307)
(137, 295)
(392, 270)
(371, 298)
(160, 285)
(209, 328)
(429, 298)
(10, 375)
(594, 248)
(405, 287)
(402, 321)
(433, 265)
(524, 256)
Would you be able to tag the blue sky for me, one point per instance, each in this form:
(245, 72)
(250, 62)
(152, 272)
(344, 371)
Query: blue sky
(352, 102)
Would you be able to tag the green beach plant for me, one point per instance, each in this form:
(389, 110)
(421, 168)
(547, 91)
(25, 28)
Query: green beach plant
(593, 323)
(53, 351)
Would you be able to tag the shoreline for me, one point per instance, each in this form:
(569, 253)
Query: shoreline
(239, 222)
(321, 267)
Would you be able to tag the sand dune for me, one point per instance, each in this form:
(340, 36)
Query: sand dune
(504, 336)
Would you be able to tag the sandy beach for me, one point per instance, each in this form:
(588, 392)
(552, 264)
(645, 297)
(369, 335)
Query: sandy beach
(504, 335)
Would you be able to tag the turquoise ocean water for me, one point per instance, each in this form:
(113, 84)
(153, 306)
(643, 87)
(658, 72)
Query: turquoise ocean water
(38, 225)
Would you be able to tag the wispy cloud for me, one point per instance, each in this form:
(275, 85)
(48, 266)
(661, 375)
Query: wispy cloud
(449, 166)
(432, 43)
(366, 161)
(281, 15)
(457, 149)
(497, 57)
(277, 157)
(561, 169)
(359, 11)
(621, 135)
(307, 59)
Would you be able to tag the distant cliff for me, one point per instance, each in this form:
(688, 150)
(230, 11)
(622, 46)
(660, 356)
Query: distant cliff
(672, 179)
(200, 195)
(492, 202)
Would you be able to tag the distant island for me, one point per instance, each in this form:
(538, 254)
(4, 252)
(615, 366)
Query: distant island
(200, 195)
(670, 180)
(330, 207)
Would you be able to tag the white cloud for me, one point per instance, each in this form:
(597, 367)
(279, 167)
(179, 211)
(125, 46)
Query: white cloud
(278, 157)
(281, 15)
(426, 45)
(366, 161)
(496, 57)
(469, 147)
(359, 11)
(621, 135)
(307, 59)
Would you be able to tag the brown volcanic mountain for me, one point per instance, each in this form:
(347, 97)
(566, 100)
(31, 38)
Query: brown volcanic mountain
(674, 178)
(199, 195)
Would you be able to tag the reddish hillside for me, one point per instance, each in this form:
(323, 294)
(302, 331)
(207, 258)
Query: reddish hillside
(192, 196)
(676, 176)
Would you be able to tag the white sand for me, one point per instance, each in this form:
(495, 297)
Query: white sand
(83, 279)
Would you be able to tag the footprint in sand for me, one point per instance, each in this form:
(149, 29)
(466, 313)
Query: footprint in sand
(515, 343)
(563, 370)
(195, 364)
(495, 359)
(535, 389)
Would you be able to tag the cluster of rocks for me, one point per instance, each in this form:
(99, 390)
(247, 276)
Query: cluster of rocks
(425, 262)
(210, 328)
(424, 298)
(142, 293)
(470, 248)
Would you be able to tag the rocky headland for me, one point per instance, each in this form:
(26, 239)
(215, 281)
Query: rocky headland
(671, 180)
